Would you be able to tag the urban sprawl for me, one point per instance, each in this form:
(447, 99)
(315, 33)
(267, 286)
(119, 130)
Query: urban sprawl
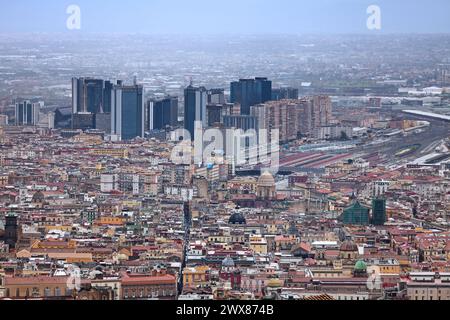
(94, 207)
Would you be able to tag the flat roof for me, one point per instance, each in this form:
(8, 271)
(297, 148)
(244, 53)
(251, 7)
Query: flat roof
(428, 114)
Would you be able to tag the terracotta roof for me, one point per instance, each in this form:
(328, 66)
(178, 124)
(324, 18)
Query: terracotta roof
(322, 297)
(146, 280)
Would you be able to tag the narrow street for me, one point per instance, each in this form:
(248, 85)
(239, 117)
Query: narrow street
(187, 231)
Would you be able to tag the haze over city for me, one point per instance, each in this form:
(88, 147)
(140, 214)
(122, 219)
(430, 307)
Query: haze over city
(225, 151)
(226, 16)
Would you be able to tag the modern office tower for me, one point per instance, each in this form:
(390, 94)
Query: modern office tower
(263, 90)
(241, 122)
(281, 115)
(284, 93)
(107, 97)
(216, 96)
(127, 111)
(322, 111)
(91, 95)
(162, 113)
(379, 216)
(249, 92)
(217, 112)
(195, 101)
(27, 113)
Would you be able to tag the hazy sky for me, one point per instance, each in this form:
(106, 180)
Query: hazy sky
(225, 16)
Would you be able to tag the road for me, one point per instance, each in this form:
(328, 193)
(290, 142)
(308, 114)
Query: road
(187, 232)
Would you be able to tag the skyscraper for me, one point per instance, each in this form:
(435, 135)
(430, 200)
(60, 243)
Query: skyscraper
(249, 92)
(263, 90)
(127, 111)
(216, 96)
(162, 113)
(27, 113)
(285, 93)
(217, 112)
(195, 101)
(91, 95)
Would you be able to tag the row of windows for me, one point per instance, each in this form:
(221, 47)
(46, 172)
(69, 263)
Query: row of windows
(133, 294)
(35, 292)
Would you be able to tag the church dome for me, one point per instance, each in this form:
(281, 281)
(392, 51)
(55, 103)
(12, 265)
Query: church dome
(38, 197)
(228, 262)
(266, 180)
(360, 266)
(237, 218)
(348, 246)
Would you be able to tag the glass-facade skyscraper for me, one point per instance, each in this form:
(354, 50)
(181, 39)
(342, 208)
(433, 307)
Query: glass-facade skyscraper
(162, 113)
(195, 101)
(27, 113)
(127, 111)
(249, 92)
(91, 95)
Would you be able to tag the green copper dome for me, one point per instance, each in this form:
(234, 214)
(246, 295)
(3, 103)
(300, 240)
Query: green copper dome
(360, 266)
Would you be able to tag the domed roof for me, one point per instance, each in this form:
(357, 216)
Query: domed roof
(275, 283)
(360, 266)
(237, 218)
(228, 262)
(266, 180)
(38, 197)
(348, 246)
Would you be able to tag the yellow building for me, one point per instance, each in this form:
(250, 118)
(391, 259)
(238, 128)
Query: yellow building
(53, 244)
(197, 276)
(59, 228)
(389, 267)
(3, 180)
(112, 152)
(258, 244)
(71, 257)
(110, 221)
